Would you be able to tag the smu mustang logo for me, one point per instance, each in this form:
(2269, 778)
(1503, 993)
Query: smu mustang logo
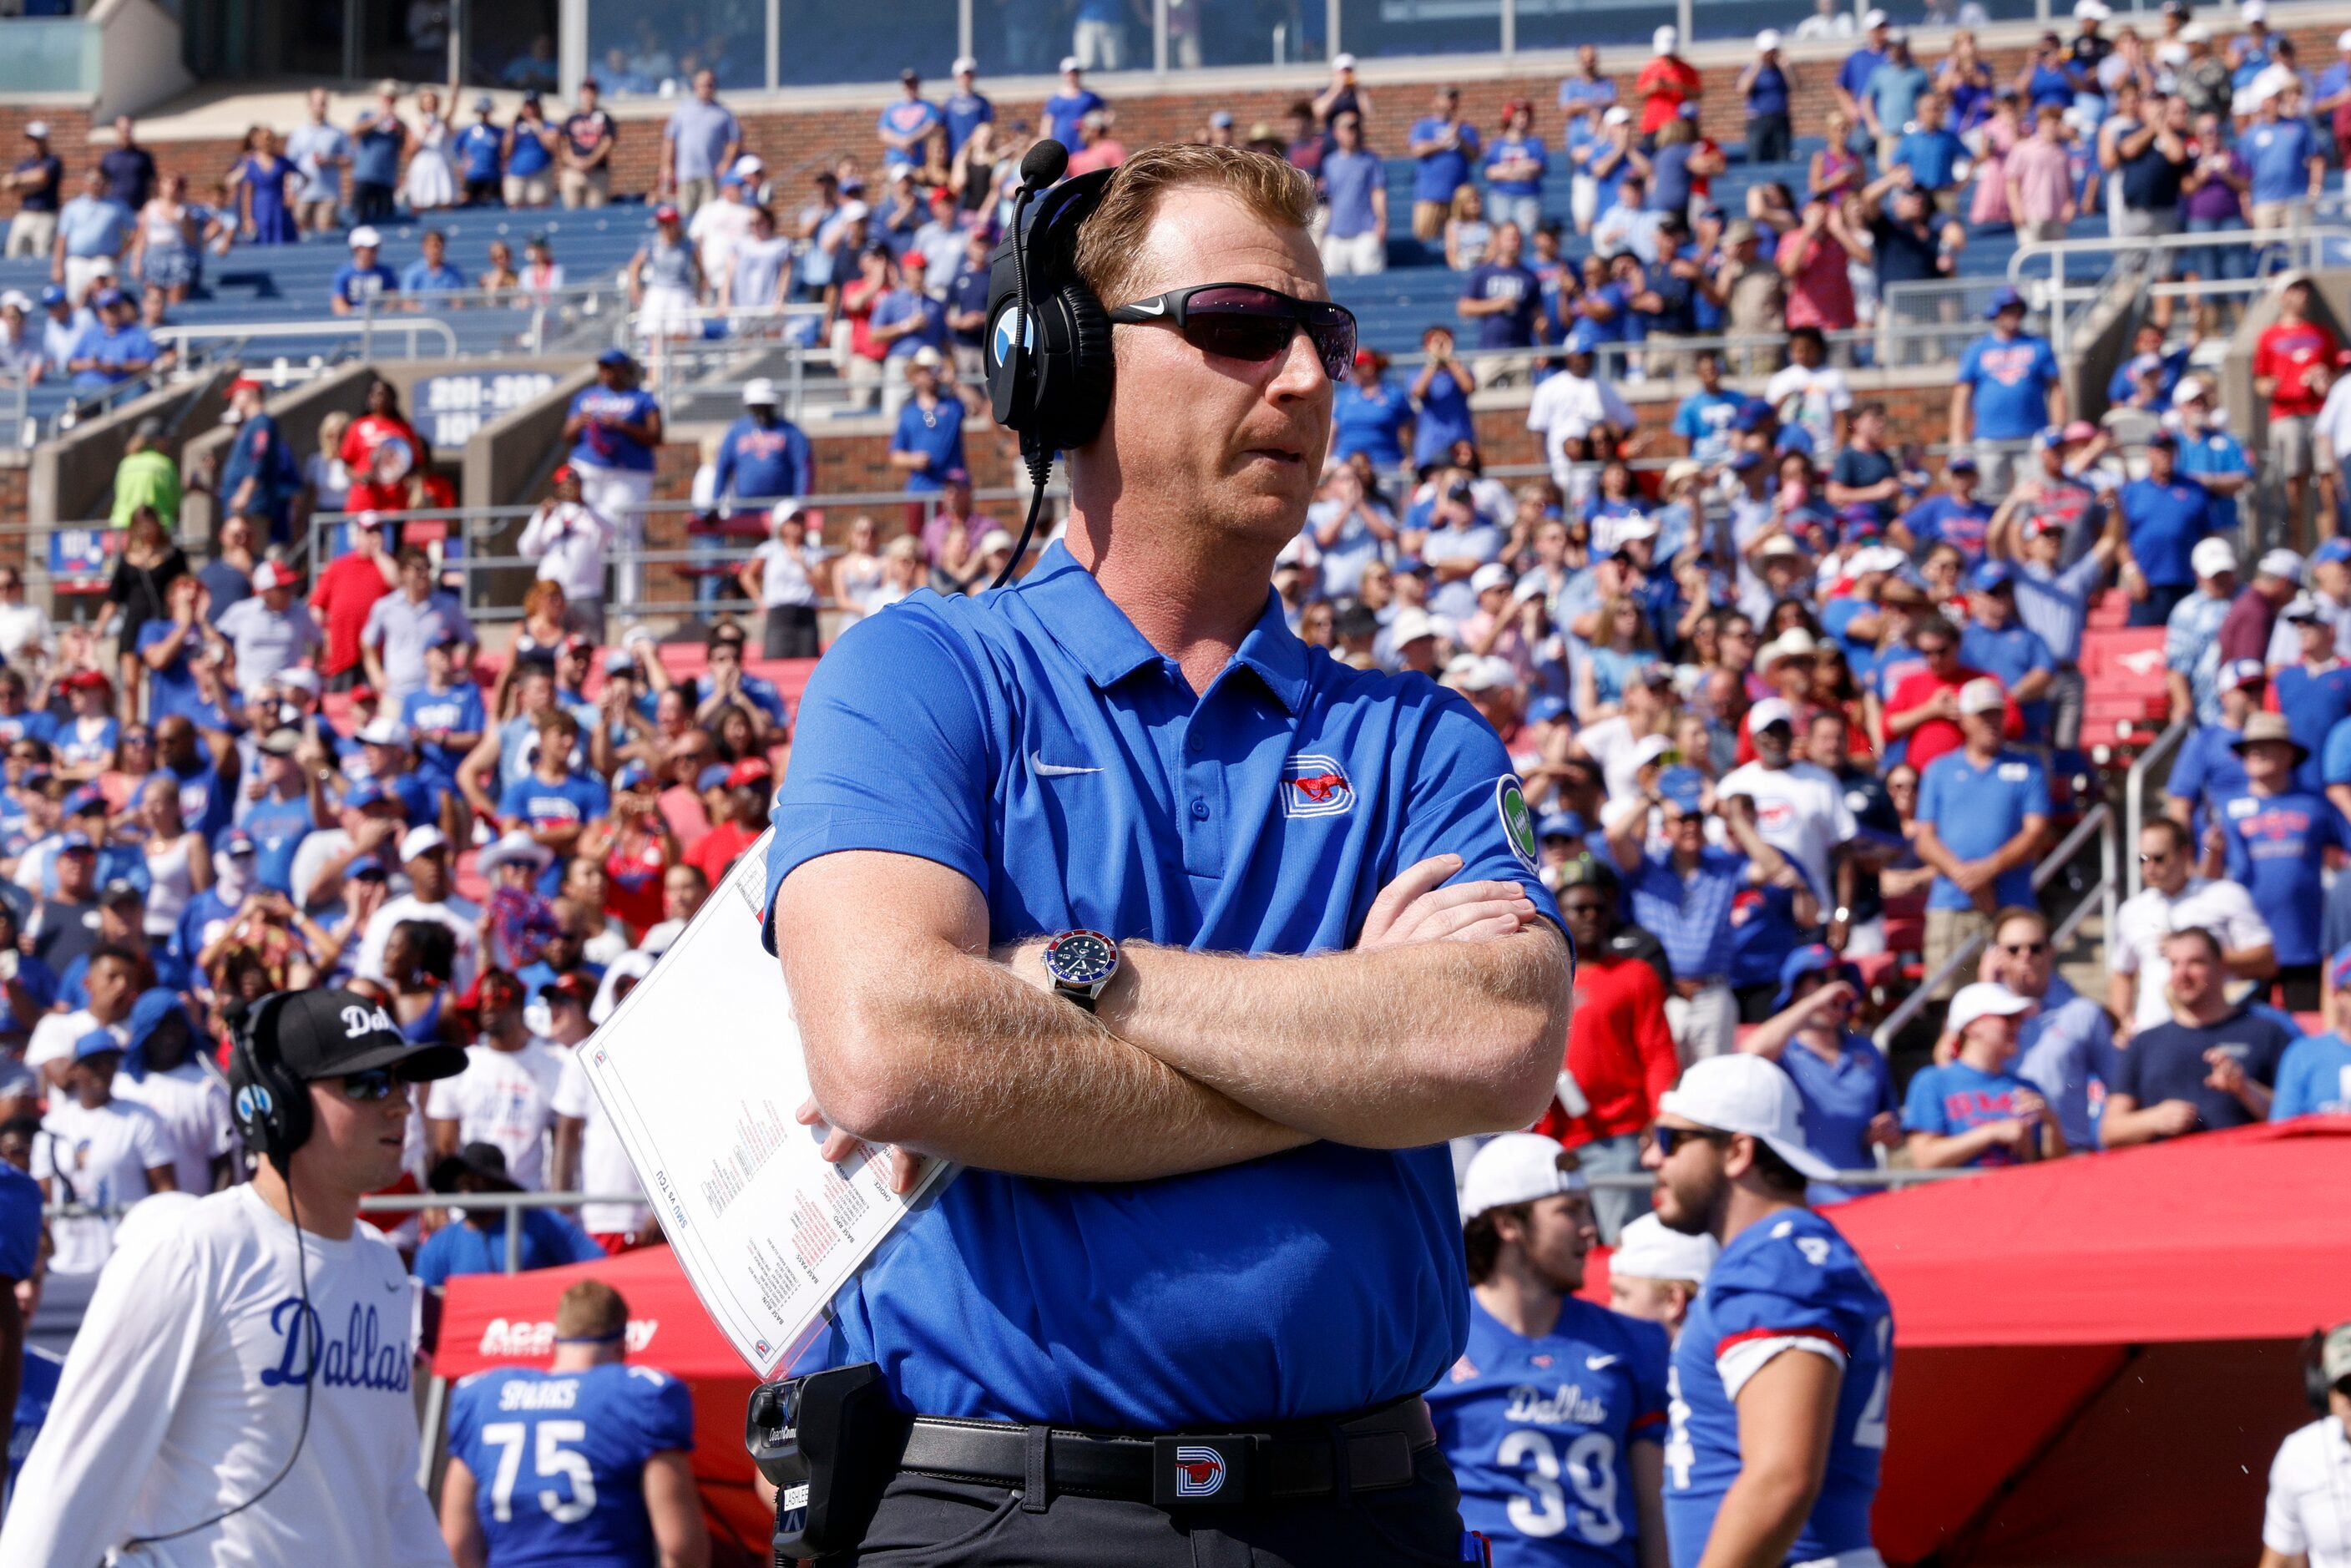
(1199, 1472)
(1316, 785)
(2008, 363)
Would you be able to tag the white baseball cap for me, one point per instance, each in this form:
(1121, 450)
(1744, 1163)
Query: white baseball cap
(422, 841)
(1636, 527)
(1746, 1094)
(1985, 999)
(1493, 574)
(964, 63)
(1982, 695)
(1650, 748)
(1516, 1167)
(1342, 62)
(748, 165)
(2090, 11)
(1875, 19)
(1472, 672)
(1876, 557)
(383, 730)
(1778, 544)
(1769, 712)
(1767, 40)
(365, 237)
(2212, 557)
(2281, 563)
(1410, 625)
(1619, 115)
(759, 392)
(517, 846)
(2254, 11)
(2195, 33)
(1648, 1248)
(17, 297)
(39, 130)
(270, 574)
(1070, 63)
(1666, 40)
(2343, 39)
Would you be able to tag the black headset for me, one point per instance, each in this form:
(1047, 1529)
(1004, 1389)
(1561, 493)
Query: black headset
(2314, 1386)
(1047, 351)
(272, 1108)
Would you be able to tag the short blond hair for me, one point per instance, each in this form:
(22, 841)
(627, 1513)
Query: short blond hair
(1110, 242)
(591, 1309)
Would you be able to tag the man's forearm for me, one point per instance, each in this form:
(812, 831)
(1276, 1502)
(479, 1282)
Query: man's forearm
(1396, 1048)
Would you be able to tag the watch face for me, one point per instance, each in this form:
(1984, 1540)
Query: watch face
(1081, 958)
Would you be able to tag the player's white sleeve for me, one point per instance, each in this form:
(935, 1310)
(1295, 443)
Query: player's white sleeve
(1748, 1357)
(2282, 1529)
(411, 1532)
(146, 1325)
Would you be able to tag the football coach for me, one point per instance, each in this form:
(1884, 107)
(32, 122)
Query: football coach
(1192, 945)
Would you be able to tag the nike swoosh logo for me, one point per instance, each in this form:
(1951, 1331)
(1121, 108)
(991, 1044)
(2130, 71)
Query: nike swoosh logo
(1599, 1362)
(1044, 769)
(1150, 308)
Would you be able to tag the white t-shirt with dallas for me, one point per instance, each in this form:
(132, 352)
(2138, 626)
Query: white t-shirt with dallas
(604, 1164)
(99, 1157)
(1800, 810)
(506, 1098)
(183, 1395)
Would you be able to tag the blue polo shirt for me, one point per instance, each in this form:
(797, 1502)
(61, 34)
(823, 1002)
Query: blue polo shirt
(1370, 419)
(2208, 770)
(1322, 1280)
(1064, 109)
(1444, 418)
(2008, 655)
(481, 150)
(2010, 379)
(2313, 1077)
(1509, 150)
(2314, 703)
(937, 434)
(2276, 845)
(2165, 521)
(963, 113)
(1946, 519)
(1934, 158)
(1976, 809)
(1438, 174)
(2216, 452)
(1840, 1098)
(2279, 156)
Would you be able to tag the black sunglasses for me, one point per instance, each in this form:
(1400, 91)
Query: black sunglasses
(2024, 949)
(1670, 1138)
(370, 1088)
(1243, 321)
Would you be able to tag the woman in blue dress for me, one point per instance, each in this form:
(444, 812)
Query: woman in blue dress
(265, 214)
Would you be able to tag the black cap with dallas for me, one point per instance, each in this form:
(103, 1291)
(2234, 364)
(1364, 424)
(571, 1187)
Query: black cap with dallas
(330, 1033)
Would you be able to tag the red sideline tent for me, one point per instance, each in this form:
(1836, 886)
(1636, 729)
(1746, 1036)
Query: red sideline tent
(498, 1320)
(2097, 1357)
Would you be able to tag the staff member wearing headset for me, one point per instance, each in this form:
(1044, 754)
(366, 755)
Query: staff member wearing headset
(1191, 944)
(2307, 1522)
(239, 1391)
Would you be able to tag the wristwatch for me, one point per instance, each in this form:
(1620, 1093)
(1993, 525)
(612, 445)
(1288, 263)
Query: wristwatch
(1081, 964)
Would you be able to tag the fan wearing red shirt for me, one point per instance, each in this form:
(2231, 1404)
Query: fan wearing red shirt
(1666, 83)
(380, 423)
(347, 588)
(1924, 710)
(2292, 364)
(1815, 259)
(1619, 1050)
(748, 783)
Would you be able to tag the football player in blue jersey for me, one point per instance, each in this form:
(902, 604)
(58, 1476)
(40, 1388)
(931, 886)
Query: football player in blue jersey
(1554, 1413)
(583, 1465)
(1781, 1376)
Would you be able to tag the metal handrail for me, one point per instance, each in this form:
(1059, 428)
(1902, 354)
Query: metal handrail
(239, 332)
(2057, 293)
(1917, 1001)
(2134, 785)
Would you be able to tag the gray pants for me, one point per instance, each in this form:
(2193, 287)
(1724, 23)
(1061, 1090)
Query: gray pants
(927, 1520)
(32, 234)
(1704, 1025)
(1614, 1209)
(2065, 695)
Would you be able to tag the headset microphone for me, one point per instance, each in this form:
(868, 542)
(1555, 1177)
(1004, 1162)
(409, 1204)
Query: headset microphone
(1047, 355)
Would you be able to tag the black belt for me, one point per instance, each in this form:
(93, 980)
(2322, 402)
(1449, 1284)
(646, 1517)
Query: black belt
(1301, 1462)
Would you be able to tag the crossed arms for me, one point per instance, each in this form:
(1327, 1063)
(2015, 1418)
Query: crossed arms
(1447, 1017)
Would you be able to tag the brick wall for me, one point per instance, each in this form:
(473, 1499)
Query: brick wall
(796, 143)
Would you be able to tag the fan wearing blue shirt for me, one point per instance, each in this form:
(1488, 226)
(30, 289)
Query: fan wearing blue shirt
(966, 109)
(1371, 415)
(476, 1245)
(481, 150)
(1954, 515)
(908, 123)
(1983, 811)
(1233, 1206)
(1840, 1075)
(2287, 162)
(1066, 107)
(927, 446)
(2315, 693)
(1445, 148)
(1790, 1347)
(1553, 1417)
(585, 1463)
(1514, 167)
(362, 278)
(445, 714)
(1971, 1110)
(431, 272)
(2275, 839)
(2165, 515)
(763, 456)
(21, 1382)
(2313, 1077)
(1440, 395)
(1704, 419)
(1501, 296)
(2007, 378)
(551, 802)
(1997, 643)
(1928, 149)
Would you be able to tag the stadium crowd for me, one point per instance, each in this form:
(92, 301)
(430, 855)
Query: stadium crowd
(1788, 698)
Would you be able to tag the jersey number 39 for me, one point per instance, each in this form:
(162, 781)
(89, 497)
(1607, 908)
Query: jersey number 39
(1588, 1470)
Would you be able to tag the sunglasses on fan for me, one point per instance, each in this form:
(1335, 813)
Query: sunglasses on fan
(1243, 321)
